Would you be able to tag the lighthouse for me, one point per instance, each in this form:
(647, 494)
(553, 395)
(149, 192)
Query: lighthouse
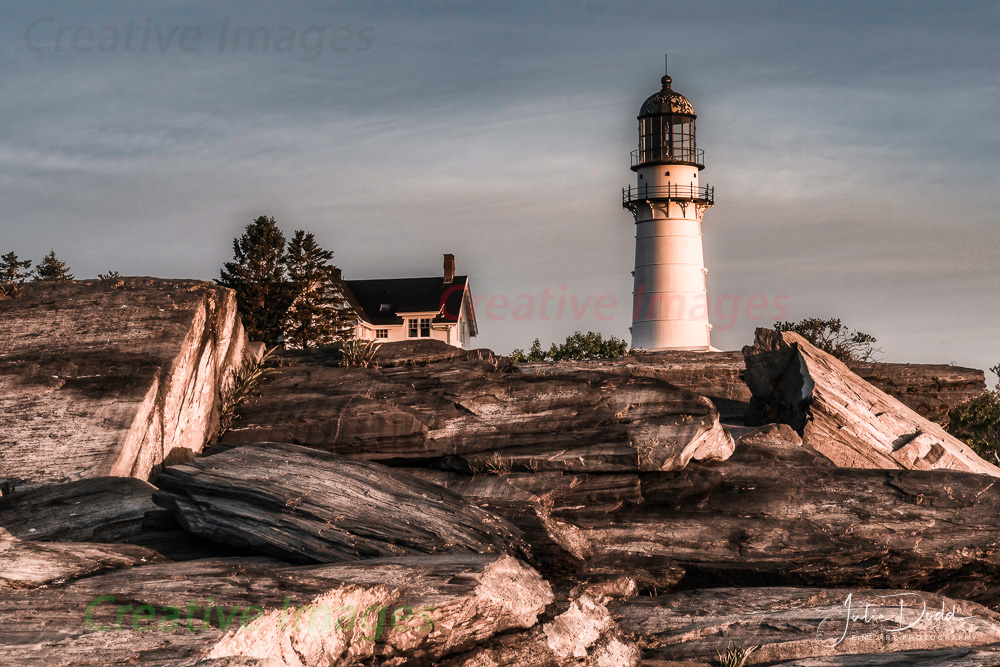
(670, 295)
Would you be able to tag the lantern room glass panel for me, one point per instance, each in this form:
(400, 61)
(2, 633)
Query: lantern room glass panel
(667, 138)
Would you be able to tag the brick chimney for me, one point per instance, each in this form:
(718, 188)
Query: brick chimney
(449, 268)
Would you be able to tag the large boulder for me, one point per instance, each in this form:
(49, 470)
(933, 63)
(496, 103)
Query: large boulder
(113, 378)
(403, 611)
(717, 376)
(243, 612)
(308, 506)
(477, 416)
(841, 416)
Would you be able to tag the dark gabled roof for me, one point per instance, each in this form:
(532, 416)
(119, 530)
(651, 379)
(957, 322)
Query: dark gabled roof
(406, 295)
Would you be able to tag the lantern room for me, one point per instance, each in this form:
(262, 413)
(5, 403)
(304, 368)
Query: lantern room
(666, 131)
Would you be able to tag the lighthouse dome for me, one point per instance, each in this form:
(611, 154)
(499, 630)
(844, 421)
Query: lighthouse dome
(666, 101)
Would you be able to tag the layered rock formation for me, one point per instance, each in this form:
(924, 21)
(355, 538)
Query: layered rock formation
(477, 415)
(279, 499)
(930, 390)
(111, 378)
(717, 376)
(788, 624)
(773, 514)
(587, 514)
(244, 610)
(840, 415)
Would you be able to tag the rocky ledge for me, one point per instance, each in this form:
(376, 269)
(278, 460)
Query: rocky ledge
(111, 377)
(445, 507)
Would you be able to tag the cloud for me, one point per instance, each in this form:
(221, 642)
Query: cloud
(853, 146)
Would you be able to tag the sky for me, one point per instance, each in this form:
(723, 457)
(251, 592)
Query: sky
(854, 148)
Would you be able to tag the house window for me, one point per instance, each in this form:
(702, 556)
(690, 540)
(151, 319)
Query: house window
(411, 329)
(381, 333)
(425, 327)
(384, 307)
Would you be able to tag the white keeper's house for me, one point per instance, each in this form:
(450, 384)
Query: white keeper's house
(398, 309)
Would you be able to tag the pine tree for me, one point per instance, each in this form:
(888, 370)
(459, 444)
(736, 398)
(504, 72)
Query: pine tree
(319, 314)
(52, 269)
(13, 273)
(257, 274)
(13, 270)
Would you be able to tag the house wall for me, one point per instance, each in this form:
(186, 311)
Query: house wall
(448, 333)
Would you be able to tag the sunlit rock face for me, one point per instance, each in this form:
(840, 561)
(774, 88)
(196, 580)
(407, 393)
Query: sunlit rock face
(839, 415)
(111, 377)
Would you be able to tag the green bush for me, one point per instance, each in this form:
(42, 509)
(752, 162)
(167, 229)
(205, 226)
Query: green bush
(834, 338)
(590, 345)
(977, 422)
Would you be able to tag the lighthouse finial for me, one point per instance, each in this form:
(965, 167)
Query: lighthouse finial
(666, 75)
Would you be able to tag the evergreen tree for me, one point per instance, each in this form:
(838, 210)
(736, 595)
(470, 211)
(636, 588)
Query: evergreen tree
(51, 268)
(257, 274)
(13, 270)
(319, 314)
(13, 273)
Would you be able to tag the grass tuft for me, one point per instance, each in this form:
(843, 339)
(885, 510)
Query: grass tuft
(735, 656)
(242, 385)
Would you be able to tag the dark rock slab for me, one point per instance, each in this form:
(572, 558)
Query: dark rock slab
(535, 504)
(32, 564)
(793, 624)
(930, 390)
(421, 352)
(117, 510)
(304, 505)
(100, 509)
(467, 416)
(768, 516)
(103, 378)
(717, 376)
(947, 657)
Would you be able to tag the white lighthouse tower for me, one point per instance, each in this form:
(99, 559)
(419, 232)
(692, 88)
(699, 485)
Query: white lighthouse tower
(670, 298)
